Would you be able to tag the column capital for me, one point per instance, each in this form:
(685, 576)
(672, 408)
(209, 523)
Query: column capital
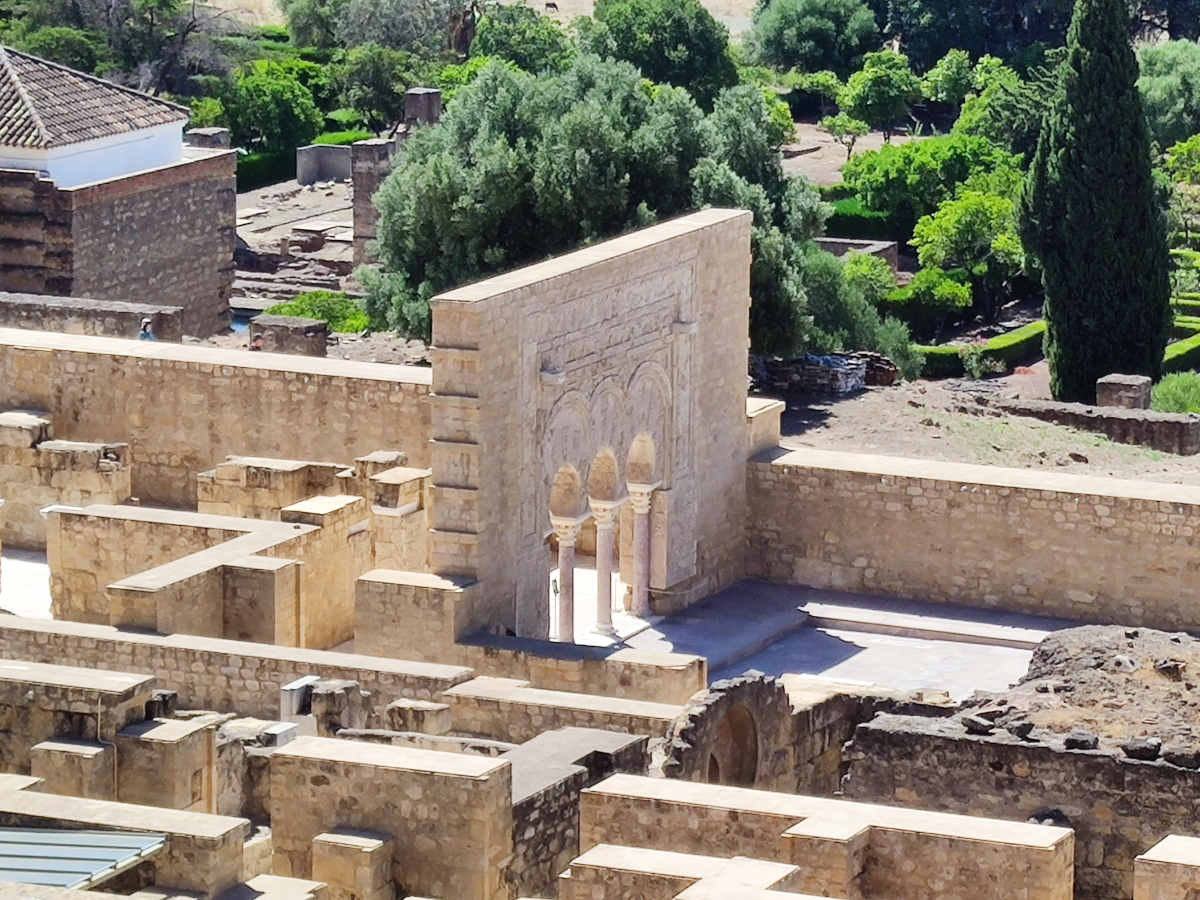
(605, 511)
(566, 528)
(640, 495)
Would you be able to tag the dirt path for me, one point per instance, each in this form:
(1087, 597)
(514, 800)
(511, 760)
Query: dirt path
(921, 420)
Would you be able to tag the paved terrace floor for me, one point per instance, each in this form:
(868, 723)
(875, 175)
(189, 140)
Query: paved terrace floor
(25, 583)
(853, 638)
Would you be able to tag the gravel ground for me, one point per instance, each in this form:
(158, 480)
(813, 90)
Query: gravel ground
(919, 419)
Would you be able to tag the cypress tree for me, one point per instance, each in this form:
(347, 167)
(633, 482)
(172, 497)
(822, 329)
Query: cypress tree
(1089, 214)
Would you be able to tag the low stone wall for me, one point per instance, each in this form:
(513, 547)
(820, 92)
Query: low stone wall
(545, 834)
(1091, 549)
(1170, 870)
(80, 315)
(450, 815)
(289, 334)
(843, 849)
(1168, 432)
(1118, 807)
(36, 472)
(212, 673)
(421, 616)
(182, 408)
(888, 251)
(322, 162)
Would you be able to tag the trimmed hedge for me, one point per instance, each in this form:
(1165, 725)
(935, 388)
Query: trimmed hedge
(338, 138)
(1019, 346)
(1186, 304)
(1182, 355)
(255, 170)
(852, 219)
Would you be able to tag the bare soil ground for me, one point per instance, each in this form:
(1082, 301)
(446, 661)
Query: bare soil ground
(818, 157)
(920, 419)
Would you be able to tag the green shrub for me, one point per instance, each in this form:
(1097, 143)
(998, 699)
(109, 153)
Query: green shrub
(255, 170)
(342, 137)
(932, 298)
(852, 219)
(344, 119)
(342, 313)
(1178, 392)
(1019, 346)
(1184, 326)
(1186, 305)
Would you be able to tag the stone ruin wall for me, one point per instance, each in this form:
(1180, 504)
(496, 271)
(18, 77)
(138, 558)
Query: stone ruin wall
(183, 408)
(546, 367)
(165, 234)
(212, 673)
(1118, 807)
(1021, 541)
(81, 315)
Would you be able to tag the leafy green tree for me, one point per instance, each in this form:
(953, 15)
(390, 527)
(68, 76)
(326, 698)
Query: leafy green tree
(418, 26)
(63, 44)
(1089, 213)
(313, 23)
(929, 301)
(870, 274)
(815, 34)
(207, 112)
(976, 232)
(373, 80)
(845, 129)
(950, 80)
(533, 41)
(910, 180)
(522, 167)
(747, 136)
(672, 41)
(880, 92)
(1007, 109)
(823, 85)
(1169, 85)
(272, 112)
(315, 78)
(451, 79)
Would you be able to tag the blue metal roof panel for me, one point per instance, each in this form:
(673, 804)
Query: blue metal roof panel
(61, 857)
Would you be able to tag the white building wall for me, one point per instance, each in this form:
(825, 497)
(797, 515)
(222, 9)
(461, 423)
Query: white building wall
(103, 159)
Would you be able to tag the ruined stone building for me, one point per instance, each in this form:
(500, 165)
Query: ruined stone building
(322, 628)
(100, 199)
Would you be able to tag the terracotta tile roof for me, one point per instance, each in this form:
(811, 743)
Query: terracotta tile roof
(43, 105)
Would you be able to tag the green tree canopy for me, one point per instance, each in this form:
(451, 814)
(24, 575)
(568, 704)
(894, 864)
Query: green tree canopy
(814, 35)
(950, 80)
(1089, 213)
(976, 232)
(271, 111)
(880, 92)
(533, 41)
(1169, 84)
(910, 180)
(672, 41)
(373, 79)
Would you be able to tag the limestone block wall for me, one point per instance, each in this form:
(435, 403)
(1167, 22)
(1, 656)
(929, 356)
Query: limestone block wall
(36, 472)
(416, 615)
(843, 849)
(641, 338)
(162, 234)
(53, 701)
(1118, 807)
(1170, 870)
(258, 488)
(450, 815)
(212, 673)
(89, 552)
(1093, 549)
(182, 408)
(165, 234)
(83, 315)
(545, 834)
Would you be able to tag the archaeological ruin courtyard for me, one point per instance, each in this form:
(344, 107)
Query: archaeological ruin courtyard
(563, 613)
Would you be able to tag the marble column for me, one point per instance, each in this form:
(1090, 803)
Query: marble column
(604, 512)
(566, 529)
(641, 496)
